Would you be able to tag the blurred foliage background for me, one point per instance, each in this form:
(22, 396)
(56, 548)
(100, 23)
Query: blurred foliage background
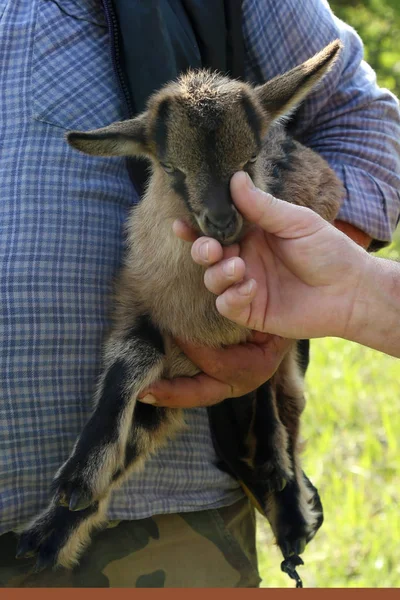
(352, 418)
(378, 24)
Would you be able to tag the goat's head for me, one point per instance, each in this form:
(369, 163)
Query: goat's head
(199, 130)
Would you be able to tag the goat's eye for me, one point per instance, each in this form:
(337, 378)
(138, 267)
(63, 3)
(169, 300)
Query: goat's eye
(168, 168)
(253, 158)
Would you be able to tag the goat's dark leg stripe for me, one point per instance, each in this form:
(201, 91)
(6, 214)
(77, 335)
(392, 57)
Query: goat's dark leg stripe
(265, 425)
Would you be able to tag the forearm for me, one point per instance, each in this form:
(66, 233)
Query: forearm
(375, 320)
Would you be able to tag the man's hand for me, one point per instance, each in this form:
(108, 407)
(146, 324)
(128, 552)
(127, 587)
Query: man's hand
(226, 373)
(295, 275)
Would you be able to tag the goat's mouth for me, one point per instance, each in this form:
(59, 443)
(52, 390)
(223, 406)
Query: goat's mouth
(226, 232)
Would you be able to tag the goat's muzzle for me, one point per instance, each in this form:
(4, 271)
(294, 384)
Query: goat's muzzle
(225, 227)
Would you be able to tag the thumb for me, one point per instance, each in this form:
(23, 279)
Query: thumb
(275, 216)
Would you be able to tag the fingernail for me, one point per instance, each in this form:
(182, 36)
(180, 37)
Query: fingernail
(204, 251)
(148, 399)
(249, 182)
(247, 288)
(229, 268)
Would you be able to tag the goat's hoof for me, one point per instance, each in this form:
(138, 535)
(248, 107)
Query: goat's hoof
(75, 499)
(273, 476)
(79, 500)
(72, 488)
(29, 554)
(277, 484)
(51, 533)
(293, 548)
(72, 493)
(26, 546)
(37, 541)
(44, 561)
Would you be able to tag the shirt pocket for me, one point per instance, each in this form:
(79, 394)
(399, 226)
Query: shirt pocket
(74, 85)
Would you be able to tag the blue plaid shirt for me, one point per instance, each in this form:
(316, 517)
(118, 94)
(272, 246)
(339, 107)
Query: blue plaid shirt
(61, 228)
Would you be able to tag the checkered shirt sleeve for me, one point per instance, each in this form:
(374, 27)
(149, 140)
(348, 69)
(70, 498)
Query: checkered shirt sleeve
(349, 120)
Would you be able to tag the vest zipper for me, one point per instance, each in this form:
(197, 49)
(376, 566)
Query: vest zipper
(113, 29)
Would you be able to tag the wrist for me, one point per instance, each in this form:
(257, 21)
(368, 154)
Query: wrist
(358, 292)
(376, 316)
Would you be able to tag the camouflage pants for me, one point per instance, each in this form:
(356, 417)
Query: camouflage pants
(211, 548)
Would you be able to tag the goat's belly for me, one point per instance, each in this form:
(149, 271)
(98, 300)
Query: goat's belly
(212, 330)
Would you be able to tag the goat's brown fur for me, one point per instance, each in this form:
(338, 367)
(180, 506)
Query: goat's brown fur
(197, 132)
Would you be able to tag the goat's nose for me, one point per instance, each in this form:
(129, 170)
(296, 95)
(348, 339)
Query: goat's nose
(221, 220)
(223, 225)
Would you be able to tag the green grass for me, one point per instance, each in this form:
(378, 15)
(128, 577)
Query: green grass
(352, 427)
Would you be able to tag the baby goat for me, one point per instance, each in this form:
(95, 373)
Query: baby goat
(197, 132)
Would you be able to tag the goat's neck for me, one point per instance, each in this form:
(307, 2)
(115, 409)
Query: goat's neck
(165, 281)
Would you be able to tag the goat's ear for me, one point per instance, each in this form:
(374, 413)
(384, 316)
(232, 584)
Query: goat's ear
(125, 138)
(283, 94)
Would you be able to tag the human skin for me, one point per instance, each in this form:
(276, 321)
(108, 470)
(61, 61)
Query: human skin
(293, 276)
(226, 373)
(298, 276)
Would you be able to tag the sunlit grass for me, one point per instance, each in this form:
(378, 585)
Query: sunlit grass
(352, 427)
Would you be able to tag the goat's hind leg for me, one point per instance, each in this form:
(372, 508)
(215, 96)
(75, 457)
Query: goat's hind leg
(250, 439)
(295, 512)
(59, 536)
(270, 457)
(133, 359)
(117, 440)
